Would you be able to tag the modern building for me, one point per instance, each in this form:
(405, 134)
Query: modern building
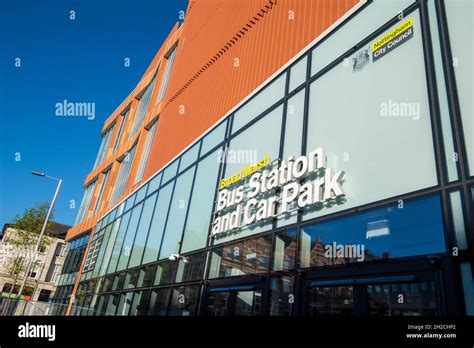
(42, 281)
(287, 157)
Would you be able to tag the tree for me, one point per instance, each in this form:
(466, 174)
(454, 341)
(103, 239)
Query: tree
(22, 242)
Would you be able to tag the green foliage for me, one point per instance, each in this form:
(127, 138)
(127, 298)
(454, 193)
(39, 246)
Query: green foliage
(27, 230)
(29, 227)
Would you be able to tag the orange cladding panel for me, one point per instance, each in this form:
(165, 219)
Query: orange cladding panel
(226, 50)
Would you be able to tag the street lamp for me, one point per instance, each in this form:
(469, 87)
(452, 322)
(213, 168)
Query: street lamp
(43, 229)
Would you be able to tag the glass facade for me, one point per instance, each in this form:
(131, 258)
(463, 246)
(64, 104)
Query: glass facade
(376, 117)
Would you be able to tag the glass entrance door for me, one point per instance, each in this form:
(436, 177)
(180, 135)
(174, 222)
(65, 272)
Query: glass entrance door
(330, 300)
(231, 302)
(402, 299)
(378, 296)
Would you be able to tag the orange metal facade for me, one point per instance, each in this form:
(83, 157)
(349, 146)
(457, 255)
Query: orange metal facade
(225, 49)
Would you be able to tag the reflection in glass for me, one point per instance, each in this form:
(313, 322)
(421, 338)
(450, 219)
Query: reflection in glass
(157, 224)
(414, 228)
(281, 292)
(123, 221)
(159, 301)
(146, 276)
(218, 304)
(165, 273)
(112, 304)
(248, 303)
(140, 303)
(184, 301)
(192, 268)
(248, 257)
(125, 303)
(177, 214)
(200, 209)
(129, 237)
(142, 231)
(458, 219)
(284, 250)
(418, 299)
(330, 301)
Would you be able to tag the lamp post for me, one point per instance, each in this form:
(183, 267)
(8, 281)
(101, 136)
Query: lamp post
(43, 229)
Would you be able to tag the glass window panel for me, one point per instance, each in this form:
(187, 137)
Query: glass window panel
(120, 131)
(142, 232)
(247, 148)
(104, 145)
(108, 247)
(368, 138)
(166, 76)
(413, 228)
(298, 73)
(458, 219)
(102, 250)
(122, 175)
(150, 135)
(125, 303)
(141, 301)
(189, 157)
(141, 193)
(123, 221)
(165, 273)
(259, 103)
(248, 257)
(119, 280)
(157, 224)
(177, 214)
(98, 201)
(213, 138)
(192, 269)
(460, 17)
(281, 290)
(451, 157)
(468, 287)
(131, 279)
(129, 237)
(366, 22)
(251, 146)
(107, 284)
(130, 201)
(159, 301)
(200, 209)
(142, 108)
(293, 142)
(184, 301)
(112, 304)
(86, 200)
(146, 277)
(154, 183)
(284, 251)
(170, 171)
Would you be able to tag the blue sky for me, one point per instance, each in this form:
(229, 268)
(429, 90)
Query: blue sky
(79, 60)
